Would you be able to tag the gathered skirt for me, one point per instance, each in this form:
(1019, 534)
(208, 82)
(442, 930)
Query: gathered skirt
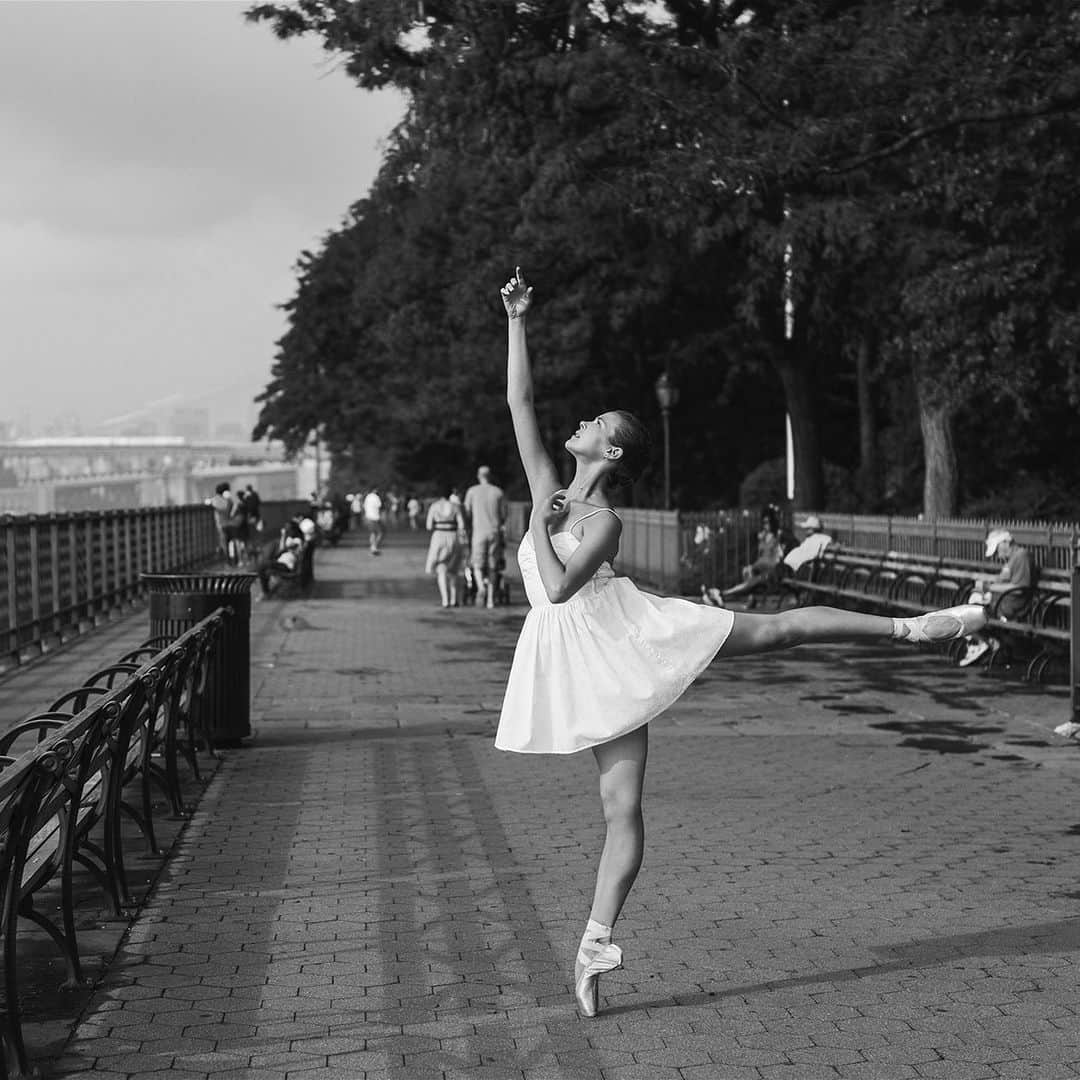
(445, 549)
(607, 661)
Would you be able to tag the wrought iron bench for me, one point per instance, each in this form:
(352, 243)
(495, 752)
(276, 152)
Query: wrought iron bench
(63, 780)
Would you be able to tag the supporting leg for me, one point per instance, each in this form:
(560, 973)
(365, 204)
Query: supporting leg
(622, 776)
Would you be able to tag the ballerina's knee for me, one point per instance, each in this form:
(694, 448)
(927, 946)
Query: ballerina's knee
(622, 807)
(787, 629)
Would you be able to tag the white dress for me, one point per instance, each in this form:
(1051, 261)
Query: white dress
(606, 661)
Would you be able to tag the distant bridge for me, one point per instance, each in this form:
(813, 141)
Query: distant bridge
(108, 472)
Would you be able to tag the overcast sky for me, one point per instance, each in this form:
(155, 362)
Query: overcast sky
(163, 164)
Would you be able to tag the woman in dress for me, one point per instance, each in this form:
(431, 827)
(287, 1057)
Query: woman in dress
(598, 659)
(769, 550)
(446, 551)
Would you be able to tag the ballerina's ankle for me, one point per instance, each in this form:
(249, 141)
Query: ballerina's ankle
(939, 626)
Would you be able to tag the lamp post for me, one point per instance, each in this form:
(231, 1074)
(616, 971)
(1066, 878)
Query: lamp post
(666, 396)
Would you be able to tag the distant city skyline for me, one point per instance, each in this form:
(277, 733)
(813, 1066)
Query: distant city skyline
(166, 165)
(205, 415)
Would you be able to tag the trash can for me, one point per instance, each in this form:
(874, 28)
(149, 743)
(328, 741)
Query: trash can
(177, 603)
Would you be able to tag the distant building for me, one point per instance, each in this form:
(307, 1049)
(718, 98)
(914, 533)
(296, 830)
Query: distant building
(232, 432)
(191, 422)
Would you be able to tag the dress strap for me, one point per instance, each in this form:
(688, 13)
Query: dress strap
(592, 513)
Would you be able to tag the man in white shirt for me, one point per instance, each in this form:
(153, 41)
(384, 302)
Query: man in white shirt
(373, 520)
(814, 542)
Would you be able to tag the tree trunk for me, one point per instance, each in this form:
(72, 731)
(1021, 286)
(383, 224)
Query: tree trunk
(941, 489)
(801, 401)
(868, 479)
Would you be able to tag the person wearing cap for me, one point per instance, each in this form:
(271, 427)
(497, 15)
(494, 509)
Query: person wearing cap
(815, 540)
(1018, 573)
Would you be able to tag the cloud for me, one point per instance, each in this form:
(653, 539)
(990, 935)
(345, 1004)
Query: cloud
(169, 162)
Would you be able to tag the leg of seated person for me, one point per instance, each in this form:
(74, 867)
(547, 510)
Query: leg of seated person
(753, 582)
(264, 564)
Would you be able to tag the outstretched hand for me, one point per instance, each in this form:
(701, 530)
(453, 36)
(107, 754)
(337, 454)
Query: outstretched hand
(516, 295)
(553, 509)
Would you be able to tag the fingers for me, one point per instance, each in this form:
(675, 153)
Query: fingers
(517, 281)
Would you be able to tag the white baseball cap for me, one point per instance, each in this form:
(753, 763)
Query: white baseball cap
(996, 538)
(811, 521)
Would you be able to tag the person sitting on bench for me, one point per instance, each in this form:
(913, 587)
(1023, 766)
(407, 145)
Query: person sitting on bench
(280, 557)
(1018, 573)
(815, 540)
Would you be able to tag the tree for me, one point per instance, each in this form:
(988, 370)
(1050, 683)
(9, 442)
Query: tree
(661, 169)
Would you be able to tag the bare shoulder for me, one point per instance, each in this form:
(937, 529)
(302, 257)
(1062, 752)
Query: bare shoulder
(601, 522)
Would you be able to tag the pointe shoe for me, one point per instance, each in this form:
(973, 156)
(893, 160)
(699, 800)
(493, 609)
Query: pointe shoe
(587, 974)
(945, 625)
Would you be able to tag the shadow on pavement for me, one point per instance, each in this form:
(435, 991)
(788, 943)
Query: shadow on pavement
(1049, 937)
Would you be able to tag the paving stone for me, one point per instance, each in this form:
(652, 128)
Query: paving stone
(369, 891)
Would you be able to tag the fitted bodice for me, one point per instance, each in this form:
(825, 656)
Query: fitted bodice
(565, 544)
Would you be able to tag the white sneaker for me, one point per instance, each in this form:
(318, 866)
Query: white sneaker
(973, 652)
(1068, 730)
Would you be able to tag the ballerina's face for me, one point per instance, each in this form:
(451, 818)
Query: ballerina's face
(593, 438)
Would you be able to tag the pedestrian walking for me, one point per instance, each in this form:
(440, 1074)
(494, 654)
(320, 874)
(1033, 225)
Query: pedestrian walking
(224, 508)
(446, 548)
(597, 659)
(373, 519)
(251, 508)
(485, 509)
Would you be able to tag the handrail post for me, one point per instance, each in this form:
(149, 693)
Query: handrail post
(35, 577)
(11, 646)
(54, 575)
(1074, 632)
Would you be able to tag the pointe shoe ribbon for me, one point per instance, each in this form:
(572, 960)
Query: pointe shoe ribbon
(947, 624)
(590, 966)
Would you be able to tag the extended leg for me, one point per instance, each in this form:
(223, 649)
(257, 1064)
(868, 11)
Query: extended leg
(802, 626)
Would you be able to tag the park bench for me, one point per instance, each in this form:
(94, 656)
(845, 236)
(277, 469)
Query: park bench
(1036, 628)
(63, 777)
(299, 580)
(1032, 626)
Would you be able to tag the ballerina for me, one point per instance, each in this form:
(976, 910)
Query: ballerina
(597, 659)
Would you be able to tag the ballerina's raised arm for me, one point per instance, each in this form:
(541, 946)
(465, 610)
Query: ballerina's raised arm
(539, 468)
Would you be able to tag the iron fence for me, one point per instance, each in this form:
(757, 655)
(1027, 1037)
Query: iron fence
(62, 572)
(679, 550)
(714, 546)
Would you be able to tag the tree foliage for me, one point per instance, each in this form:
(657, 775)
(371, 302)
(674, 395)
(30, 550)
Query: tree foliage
(656, 169)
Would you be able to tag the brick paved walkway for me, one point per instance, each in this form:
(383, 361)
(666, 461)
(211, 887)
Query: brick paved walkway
(861, 864)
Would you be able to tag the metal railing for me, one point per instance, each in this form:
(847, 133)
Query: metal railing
(714, 546)
(72, 773)
(62, 572)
